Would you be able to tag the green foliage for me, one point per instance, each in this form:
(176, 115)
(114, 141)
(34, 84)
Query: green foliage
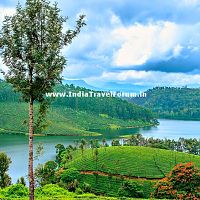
(59, 150)
(21, 181)
(69, 175)
(79, 191)
(130, 189)
(173, 103)
(52, 190)
(31, 42)
(45, 174)
(131, 161)
(115, 107)
(5, 162)
(183, 182)
(183, 145)
(47, 192)
(13, 191)
(115, 142)
(63, 118)
(110, 186)
(86, 187)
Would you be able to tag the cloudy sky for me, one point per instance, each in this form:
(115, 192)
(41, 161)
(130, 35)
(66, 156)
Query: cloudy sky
(139, 42)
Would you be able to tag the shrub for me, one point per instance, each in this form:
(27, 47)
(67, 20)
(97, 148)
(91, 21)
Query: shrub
(86, 187)
(183, 182)
(69, 175)
(72, 186)
(14, 191)
(130, 189)
(52, 190)
(78, 191)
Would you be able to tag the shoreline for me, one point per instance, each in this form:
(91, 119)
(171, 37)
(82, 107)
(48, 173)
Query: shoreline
(94, 134)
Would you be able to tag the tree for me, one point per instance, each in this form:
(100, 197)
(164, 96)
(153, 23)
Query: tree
(21, 181)
(82, 146)
(45, 174)
(183, 182)
(60, 149)
(115, 142)
(5, 162)
(104, 142)
(31, 42)
(69, 178)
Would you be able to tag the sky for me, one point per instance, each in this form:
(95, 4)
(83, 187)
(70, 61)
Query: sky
(138, 42)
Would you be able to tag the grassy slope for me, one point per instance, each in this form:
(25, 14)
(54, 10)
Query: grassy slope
(132, 161)
(61, 120)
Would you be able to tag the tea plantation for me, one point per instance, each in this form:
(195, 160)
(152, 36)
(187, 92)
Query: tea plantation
(139, 162)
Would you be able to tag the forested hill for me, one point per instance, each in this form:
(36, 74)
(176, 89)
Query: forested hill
(171, 102)
(73, 115)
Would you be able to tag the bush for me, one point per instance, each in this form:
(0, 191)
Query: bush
(52, 190)
(69, 175)
(45, 174)
(183, 182)
(72, 186)
(86, 187)
(78, 191)
(14, 191)
(130, 189)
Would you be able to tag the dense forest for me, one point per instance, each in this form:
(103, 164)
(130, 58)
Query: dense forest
(111, 106)
(70, 115)
(172, 102)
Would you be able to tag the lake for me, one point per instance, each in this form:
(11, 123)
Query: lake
(16, 146)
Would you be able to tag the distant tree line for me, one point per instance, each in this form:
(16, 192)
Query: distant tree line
(172, 102)
(191, 145)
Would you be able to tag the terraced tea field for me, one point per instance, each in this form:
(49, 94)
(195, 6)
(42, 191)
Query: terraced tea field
(138, 162)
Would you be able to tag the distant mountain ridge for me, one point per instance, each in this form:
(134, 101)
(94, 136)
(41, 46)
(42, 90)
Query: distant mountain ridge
(108, 86)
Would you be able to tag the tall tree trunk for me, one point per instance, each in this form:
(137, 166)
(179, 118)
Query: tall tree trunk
(30, 166)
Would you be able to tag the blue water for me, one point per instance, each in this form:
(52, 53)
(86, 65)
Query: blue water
(16, 146)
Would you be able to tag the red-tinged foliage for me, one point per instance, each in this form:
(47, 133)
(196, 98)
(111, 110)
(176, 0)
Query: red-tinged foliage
(183, 182)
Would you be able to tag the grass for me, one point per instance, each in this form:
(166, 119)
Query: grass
(61, 121)
(141, 162)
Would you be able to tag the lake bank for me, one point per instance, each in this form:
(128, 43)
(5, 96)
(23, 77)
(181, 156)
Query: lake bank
(16, 146)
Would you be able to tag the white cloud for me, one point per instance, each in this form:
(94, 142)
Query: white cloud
(147, 78)
(177, 50)
(140, 43)
(115, 20)
(191, 2)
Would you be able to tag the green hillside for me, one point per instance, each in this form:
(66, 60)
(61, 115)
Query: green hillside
(142, 162)
(71, 116)
(174, 103)
(107, 170)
